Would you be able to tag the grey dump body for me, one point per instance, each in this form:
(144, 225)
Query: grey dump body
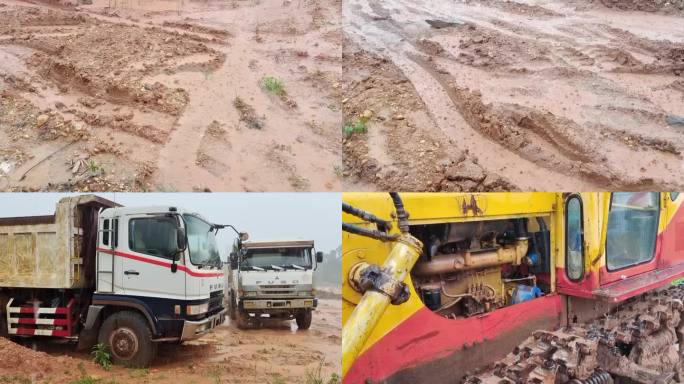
(55, 251)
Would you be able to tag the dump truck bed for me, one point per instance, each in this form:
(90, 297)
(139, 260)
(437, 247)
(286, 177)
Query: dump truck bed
(51, 251)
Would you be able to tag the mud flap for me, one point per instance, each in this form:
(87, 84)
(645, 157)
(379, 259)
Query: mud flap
(87, 338)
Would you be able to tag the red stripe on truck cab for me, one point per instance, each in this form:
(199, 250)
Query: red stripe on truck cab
(160, 263)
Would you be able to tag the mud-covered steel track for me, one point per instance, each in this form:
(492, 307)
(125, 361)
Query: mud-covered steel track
(639, 341)
(535, 94)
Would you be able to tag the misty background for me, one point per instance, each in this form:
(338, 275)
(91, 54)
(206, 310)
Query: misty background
(265, 216)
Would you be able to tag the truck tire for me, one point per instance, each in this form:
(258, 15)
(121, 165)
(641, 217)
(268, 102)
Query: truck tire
(232, 306)
(241, 319)
(303, 319)
(128, 339)
(3, 325)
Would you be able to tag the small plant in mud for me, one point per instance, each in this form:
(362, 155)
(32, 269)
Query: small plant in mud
(315, 376)
(273, 85)
(95, 168)
(350, 128)
(101, 356)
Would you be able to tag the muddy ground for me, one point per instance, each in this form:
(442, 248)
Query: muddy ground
(277, 353)
(170, 95)
(526, 94)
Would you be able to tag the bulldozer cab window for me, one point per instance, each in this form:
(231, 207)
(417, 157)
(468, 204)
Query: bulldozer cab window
(632, 229)
(574, 238)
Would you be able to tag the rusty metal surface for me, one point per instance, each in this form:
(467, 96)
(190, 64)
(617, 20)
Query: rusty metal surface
(277, 244)
(27, 220)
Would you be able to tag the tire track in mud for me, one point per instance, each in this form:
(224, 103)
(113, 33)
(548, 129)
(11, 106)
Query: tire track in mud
(447, 111)
(537, 144)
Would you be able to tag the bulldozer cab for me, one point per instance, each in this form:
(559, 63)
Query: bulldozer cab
(614, 243)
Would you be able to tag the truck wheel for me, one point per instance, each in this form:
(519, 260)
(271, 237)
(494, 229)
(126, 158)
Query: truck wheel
(3, 325)
(128, 338)
(242, 319)
(232, 306)
(304, 319)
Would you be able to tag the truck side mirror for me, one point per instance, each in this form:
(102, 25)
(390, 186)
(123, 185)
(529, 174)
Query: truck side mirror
(233, 260)
(319, 257)
(181, 241)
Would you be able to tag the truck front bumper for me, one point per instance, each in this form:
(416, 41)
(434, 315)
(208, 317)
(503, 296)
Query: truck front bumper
(195, 329)
(280, 303)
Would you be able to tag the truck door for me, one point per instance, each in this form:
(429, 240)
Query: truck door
(147, 262)
(632, 244)
(108, 265)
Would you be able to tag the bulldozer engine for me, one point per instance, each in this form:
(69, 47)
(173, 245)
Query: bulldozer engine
(475, 267)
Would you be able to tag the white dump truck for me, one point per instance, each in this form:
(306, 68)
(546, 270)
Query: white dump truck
(129, 278)
(273, 279)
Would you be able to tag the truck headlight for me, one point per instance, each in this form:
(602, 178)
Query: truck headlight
(197, 309)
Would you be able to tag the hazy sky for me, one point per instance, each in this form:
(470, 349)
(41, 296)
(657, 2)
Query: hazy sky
(315, 216)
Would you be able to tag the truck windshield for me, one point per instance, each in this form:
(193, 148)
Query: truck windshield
(201, 242)
(277, 258)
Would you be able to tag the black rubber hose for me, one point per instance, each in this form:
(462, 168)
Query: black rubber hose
(383, 225)
(372, 233)
(402, 216)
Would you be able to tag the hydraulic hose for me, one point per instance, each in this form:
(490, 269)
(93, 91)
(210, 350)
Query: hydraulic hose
(372, 233)
(383, 225)
(402, 215)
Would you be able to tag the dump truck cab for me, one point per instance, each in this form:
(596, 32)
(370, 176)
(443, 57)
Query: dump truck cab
(273, 279)
(165, 261)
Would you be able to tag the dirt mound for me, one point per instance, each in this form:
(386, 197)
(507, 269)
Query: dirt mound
(645, 5)
(21, 364)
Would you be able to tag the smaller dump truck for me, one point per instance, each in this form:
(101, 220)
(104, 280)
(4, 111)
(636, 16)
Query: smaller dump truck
(272, 279)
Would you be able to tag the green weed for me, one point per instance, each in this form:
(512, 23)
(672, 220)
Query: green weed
(273, 85)
(315, 376)
(350, 128)
(101, 356)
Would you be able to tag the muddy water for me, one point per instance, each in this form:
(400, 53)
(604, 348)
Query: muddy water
(556, 61)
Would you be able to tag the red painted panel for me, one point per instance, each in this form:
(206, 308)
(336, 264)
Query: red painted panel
(426, 336)
(581, 288)
(673, 241)
(31, 320)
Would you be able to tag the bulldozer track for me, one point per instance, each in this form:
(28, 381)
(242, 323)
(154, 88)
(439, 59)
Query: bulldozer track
(639, 342)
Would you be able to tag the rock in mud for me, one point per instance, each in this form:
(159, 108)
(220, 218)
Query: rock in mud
(441, 24)
(675, 120)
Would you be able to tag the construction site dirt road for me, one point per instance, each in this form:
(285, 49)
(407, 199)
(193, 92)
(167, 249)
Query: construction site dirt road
(170, 95)
(275, 353)
(501, 95)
